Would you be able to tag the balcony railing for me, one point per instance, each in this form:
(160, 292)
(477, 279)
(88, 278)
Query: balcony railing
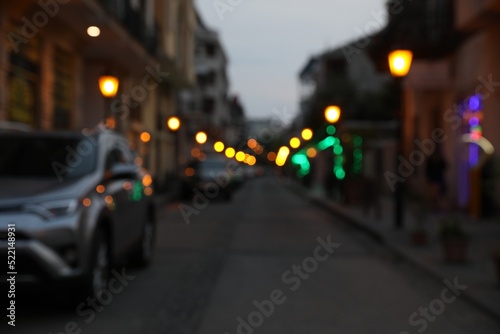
(133, 21)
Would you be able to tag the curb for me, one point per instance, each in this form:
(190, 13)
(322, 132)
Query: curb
(344, 214)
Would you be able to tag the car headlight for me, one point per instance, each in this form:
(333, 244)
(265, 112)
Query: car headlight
(53, 209)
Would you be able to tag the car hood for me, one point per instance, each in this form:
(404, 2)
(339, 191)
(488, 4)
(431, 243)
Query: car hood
(22, 190)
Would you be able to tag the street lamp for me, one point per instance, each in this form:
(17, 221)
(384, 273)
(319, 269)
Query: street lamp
(399, 64)
(294, 142)
(173, 123)
(332, 114)
(201, 137)
(108, 85)
(307, 134)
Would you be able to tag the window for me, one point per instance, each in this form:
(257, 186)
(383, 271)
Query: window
(211, 49)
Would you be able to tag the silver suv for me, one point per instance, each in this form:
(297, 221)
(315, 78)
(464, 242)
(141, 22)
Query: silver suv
(78, 204)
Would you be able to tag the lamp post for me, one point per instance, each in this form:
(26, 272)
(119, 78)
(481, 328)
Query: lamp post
(108, 85)
(332, 116)
(173, 125)
(399, 64)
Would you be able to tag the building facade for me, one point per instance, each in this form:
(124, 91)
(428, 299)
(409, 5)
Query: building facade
(453, 86)
(50, 67)
(207, 106)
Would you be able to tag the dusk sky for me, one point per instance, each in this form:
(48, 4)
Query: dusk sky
(268, 42)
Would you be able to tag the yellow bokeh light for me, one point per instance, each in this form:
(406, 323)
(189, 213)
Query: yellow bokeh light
(282, 156)
(332, 114)
(174, 123)
(93, 31)
(201, 137)
(307, 134)
(108, 84)
(294, 142)
(219, 146)
(252, 160)
(400, 62)
(230, 152)
(240, 156)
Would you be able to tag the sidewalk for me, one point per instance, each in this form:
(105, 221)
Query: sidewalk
(478, 273)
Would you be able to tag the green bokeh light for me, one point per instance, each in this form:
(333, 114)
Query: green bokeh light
(340, 174)
(331, 130)
(325, 143)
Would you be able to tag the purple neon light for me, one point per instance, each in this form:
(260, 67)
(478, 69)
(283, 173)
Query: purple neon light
(474, 103)
(474, 121)
(473, 155)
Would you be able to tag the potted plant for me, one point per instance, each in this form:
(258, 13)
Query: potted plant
(454, 239)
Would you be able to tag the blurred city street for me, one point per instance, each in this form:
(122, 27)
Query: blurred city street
(285, 166)
(208, 274)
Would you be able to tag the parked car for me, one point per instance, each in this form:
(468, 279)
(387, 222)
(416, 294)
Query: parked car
(212, 177)
(78, 204)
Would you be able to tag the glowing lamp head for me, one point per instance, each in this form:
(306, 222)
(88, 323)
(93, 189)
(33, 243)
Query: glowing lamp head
(400, 62)
(219, 147)
(173, 123)
(201, 137)
(108, 84)
(332, 114)
(307, 134)
(230, 152)
(294, 142)
(93, 31)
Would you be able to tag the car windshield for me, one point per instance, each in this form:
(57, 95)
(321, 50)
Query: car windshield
(46, 157)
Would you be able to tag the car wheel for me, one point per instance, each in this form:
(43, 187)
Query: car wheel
(145, 252)
(101, 266)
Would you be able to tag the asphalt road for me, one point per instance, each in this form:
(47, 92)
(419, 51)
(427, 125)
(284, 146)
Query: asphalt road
(266, 262)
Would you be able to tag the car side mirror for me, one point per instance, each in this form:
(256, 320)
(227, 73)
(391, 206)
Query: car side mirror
(122, 171)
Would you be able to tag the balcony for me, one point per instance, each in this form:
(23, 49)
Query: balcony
(134, 22)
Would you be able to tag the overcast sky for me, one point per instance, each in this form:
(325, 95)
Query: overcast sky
(269, 41)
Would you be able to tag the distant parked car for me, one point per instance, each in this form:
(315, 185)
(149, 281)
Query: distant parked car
(78, 204)
(212, 177)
